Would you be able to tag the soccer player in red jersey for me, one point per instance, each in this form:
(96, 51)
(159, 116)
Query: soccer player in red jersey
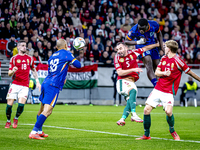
(169, 70)
(128, 73)
(20, 66)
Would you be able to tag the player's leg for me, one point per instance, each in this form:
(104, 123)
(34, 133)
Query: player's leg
(152, 102)
(125, 114)
(22, 97)
(121, 89)
(40, 132)
(8, 112)
(132, 101)
(11, 96)
(50, 94)
(150, 72)
(170, 121)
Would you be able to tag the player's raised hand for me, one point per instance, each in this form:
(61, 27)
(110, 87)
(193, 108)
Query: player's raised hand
(167, 73)
(137, 70)
(14, 69)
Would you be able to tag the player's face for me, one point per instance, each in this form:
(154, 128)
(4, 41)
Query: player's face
(143, 29)
(121, 50)
(166, 49)
(22, 47)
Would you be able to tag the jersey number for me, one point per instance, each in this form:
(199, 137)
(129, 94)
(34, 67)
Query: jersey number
(127, 62)
(24, 66)
(53, 64)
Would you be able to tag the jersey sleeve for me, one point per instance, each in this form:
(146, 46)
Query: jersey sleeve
(131, 34)
(182, 65)
(74, 61)
(116, 62)
(11, 65)
(156, 26)
(137, 52)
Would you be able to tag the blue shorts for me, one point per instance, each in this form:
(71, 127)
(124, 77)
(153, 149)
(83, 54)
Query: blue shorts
(153, 52)
(49, 94)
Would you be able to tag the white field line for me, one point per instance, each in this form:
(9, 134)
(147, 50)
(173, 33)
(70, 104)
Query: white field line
(163, 113)
(103, 132)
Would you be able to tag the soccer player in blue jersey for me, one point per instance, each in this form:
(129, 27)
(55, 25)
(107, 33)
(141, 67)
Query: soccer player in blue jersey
(142, 34)
(53, 83)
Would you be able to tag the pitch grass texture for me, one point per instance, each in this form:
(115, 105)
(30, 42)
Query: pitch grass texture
(94, 128)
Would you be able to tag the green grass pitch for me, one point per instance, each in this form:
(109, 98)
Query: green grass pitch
(94, 127)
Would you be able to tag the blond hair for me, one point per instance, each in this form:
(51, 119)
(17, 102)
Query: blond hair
(172, 45)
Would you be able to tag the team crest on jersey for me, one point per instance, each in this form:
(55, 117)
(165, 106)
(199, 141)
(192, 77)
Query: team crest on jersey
(164, 63)
(131, 57)
(27, 61)
(121, 60)
(18, 61)
(172, 66)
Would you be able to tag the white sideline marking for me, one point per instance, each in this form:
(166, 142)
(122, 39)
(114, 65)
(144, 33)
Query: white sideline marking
(93, 131)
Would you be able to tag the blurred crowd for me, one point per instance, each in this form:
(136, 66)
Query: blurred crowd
(102, 23)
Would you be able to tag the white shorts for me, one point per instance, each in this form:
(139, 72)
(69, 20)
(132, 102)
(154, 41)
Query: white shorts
(156, 97)
(17, 91)
(123, 86)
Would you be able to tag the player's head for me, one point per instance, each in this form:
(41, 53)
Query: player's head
(143, 25)
(171, 45)
(21, 46)
(61, 44)
(122, 49)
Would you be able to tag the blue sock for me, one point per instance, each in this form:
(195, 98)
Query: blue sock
(40, 121)
(154, 81)
(40, 129)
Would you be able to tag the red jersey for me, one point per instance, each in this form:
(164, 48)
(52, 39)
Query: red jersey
(170, 84)
(24, 64)
(128, 62)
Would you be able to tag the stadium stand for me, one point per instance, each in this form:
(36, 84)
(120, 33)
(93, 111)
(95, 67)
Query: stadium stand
(44, 21)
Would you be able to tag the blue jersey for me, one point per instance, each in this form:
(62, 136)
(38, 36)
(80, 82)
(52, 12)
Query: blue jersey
(134, 34)
(57, 68)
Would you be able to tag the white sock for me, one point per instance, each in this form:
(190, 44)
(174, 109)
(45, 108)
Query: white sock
(16, 117)
(39, 132)
(8, 120)
(33, 132)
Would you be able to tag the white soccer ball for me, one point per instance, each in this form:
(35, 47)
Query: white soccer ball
(79, 43)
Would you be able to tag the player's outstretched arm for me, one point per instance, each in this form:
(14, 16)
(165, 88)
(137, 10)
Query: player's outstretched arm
(141, 41)
(121, 72)
(194, 75)
(160, 73)
(35, 75)
(146, 48)
(76, 63)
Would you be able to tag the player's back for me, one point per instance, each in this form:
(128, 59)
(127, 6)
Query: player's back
(57, 68)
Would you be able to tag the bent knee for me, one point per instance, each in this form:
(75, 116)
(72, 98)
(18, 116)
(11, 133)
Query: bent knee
(147, 110)
(168, 113)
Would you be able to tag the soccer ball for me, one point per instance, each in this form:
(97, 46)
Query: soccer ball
(79, 43)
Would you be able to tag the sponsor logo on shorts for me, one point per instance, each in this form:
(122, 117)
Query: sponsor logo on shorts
(10, 90)
(121, 60)
(151, 33)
